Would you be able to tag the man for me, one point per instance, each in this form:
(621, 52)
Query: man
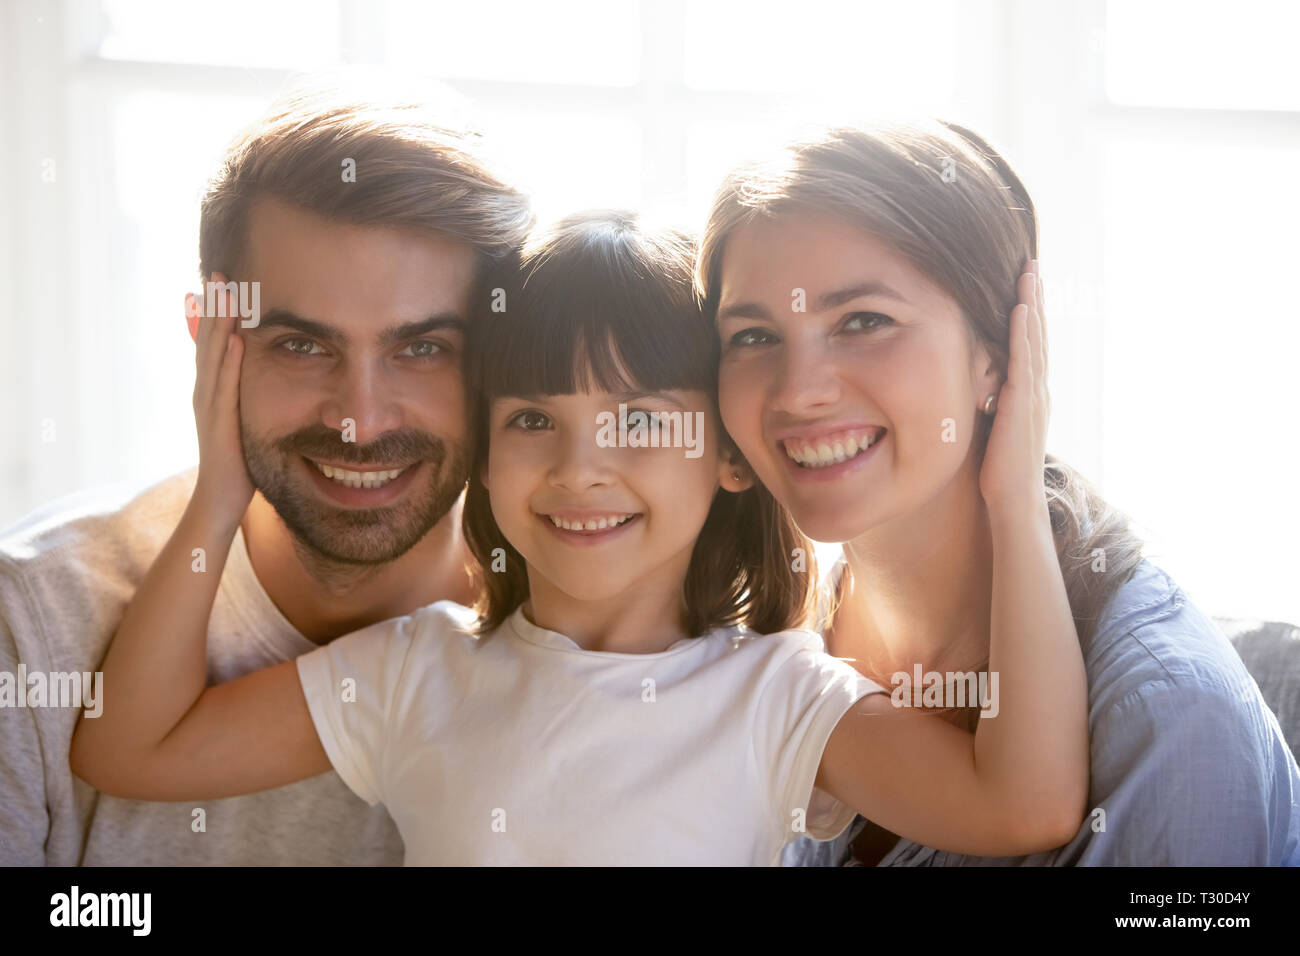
(368, 228)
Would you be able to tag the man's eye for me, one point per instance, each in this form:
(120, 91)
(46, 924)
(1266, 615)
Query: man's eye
(530, 421)
(752, 337)
(857, 321)
(301, 346)
(422, 349)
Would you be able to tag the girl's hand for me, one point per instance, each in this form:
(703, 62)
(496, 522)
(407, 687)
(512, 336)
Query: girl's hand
(224, 488)
(1012, 474)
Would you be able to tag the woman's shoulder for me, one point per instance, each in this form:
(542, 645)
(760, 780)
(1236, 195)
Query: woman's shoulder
(1151, 633)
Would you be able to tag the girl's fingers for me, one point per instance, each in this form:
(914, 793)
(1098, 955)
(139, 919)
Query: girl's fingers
(1042, 321)
(227, 389)
(1018, 360)
(214, 332)
(1033, 329)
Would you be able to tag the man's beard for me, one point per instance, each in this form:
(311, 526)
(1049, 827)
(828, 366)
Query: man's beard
(354, 536)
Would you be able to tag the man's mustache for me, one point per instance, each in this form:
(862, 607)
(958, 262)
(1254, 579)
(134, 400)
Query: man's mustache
(403, 446)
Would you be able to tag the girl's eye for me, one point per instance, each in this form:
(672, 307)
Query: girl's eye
(857, 321)
(530, 421)
(422, 349)
(301, 346)
(755, 336)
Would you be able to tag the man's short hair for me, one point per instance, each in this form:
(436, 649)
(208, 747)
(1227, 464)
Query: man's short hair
(396, 159)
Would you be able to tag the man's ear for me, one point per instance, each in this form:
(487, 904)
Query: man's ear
(193, 309)
(194, 306)
(734, 473)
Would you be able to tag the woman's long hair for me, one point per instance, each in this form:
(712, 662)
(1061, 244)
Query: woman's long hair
(945, 199)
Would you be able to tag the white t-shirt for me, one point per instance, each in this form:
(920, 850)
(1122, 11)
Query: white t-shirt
(518, 747)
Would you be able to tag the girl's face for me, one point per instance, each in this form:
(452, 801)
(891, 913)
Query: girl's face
(847, 376)
(593, 520)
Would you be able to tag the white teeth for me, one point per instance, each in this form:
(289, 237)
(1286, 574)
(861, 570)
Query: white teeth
(613, 521)
(823, 453)
(359, 479)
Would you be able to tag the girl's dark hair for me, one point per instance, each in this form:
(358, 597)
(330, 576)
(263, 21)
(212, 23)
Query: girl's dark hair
(597, 303)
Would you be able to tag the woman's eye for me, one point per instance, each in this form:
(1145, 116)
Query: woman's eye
(752, 337)
(530, 421)
(866, 320)
(300, 346)
(422, 349)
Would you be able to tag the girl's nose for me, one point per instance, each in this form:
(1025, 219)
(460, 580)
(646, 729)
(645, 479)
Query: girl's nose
(581, 463)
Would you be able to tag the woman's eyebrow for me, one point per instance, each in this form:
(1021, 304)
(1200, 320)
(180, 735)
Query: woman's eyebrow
(743, 310)
(828, 300)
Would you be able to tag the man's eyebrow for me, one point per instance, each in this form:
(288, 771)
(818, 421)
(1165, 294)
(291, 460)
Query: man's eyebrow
(283, 318)
(411, 330)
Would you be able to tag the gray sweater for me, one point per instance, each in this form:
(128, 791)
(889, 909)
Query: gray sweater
(66, 575)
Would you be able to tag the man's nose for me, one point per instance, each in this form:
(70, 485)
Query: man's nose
(363, 403)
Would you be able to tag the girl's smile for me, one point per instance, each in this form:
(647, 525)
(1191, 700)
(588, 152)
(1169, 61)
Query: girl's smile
(587, 528)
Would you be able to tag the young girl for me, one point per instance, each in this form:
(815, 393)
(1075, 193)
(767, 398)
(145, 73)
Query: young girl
(614, 700)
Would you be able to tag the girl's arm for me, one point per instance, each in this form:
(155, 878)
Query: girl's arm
(1020, 783)
(161, 734)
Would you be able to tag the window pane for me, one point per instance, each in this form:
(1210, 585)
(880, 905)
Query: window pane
(144, 244)
(568, 161)
(296, 34)
(878, 56)
(589, 42)
(1200, 347)
(1200, 54)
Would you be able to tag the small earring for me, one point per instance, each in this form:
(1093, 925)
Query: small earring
(990, 404)
(735, 476)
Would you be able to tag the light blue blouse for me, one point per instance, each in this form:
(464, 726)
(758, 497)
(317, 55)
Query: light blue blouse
(1189, 764)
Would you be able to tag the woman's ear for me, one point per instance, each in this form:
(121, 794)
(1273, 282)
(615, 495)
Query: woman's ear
(986, 376)
(733, 471)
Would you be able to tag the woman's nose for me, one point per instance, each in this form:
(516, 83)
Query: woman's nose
(806, 380)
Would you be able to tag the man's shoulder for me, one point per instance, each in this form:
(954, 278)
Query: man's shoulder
(120, 518)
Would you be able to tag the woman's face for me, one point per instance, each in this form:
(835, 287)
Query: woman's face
(847, 378)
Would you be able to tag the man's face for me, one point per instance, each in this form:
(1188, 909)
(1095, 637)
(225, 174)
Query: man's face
(352, 408)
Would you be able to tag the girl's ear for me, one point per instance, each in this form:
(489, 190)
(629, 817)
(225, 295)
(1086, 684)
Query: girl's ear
(733, 471)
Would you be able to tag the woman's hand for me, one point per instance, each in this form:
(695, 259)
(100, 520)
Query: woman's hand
(224, 488)
(1012, 474)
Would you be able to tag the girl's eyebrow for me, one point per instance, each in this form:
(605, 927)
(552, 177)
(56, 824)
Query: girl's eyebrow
(617, 396)
(662, 396)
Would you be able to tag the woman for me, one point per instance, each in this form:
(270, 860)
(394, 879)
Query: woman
(862, 284)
